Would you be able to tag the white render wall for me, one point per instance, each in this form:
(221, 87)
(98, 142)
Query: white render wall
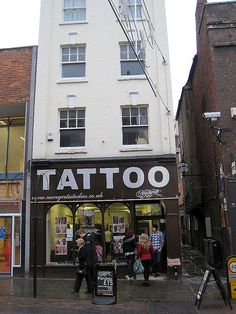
(103, 91)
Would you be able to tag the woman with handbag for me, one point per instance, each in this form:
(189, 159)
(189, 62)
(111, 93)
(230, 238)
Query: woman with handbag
(145, 253)
(81, 269)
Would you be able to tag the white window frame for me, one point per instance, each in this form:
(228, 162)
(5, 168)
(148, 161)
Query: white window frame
(137, 6)
(139, 50)
(77, 61)
(130, 125)
(72, 128)
(73, 8)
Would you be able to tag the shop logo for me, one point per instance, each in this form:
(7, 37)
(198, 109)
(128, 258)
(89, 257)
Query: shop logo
(148, 193)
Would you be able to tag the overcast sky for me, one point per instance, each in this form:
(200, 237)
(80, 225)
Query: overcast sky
(19, 21)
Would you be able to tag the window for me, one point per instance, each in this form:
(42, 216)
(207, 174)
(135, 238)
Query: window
(135, 126)
(73, 61)
(72, 128)
(134, 9)
(12, 143)
(74, 10)
(128, 61)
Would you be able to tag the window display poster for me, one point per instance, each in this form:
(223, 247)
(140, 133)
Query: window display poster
(61, 246)
(118, 244)
(61, 225)
(118, 219)
(118, 228)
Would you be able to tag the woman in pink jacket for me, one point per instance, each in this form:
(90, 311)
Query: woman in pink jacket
(145, 253)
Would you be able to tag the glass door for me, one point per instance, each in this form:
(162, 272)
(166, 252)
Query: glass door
(5, 244)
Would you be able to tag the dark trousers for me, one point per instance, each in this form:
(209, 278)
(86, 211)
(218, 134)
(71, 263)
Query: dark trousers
(156, 261)
(78, 282)
(89, 278)
(146, 265)
(130, 262)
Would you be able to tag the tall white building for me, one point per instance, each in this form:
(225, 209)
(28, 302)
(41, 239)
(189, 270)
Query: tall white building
(103, 153)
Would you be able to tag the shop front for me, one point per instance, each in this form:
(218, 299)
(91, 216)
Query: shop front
(10, 237)
(105, 198)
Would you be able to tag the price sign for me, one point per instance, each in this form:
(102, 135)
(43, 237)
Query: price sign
(105, 283)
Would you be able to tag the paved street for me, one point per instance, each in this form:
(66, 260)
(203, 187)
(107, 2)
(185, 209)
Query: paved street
(54, 296)
(163, 296)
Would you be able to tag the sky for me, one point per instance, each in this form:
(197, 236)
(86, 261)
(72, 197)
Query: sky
(20, 28)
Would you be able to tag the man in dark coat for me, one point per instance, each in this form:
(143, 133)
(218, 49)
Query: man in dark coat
(91, 256)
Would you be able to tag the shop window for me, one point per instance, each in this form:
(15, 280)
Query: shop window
(135, 126)
(89, 217)
(5, 244)
(59, 235)
(117, 220)
(12, 144)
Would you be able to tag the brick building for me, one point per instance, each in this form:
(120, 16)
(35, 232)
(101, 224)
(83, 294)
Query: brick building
(207, 146)
(17, 79)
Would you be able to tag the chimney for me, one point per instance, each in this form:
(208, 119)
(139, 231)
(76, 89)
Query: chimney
(199, 13)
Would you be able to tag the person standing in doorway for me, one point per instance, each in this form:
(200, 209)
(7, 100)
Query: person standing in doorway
(129, 247)
(91, 257)
(157, 240)
(145, 253)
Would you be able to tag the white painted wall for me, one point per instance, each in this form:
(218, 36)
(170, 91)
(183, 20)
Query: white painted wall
(103, 92)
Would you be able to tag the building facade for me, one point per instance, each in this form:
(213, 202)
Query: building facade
(207, 141)
(103, 153)
(17, 80)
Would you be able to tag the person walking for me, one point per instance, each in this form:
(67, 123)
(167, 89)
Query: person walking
(129, 247)
(157, 240)
(81, 269)
(91, 257)
(145, 253)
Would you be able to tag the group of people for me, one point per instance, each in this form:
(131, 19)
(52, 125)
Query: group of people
(148, 251)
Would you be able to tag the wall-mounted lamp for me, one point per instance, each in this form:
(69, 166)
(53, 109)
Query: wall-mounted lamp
(184, 168)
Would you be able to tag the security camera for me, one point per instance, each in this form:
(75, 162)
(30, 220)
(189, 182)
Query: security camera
(211, 115)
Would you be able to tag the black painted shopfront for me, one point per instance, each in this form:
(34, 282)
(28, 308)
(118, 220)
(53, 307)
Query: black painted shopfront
(104, 197)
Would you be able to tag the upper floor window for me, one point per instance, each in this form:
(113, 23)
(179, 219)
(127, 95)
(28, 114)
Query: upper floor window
(128, 61)
(74, 10)
(73, 61)
(12, 143)
(132, 8)
(72, 128)
(135, 125)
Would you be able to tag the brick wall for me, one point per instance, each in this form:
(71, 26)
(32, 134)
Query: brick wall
(15, 75)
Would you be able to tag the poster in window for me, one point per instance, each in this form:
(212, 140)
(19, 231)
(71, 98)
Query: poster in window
(118, 244)
(61, 246)
(61, 225)
(118, 219)
(118, 228)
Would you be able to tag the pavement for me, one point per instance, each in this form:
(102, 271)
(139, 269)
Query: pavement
(162, 296)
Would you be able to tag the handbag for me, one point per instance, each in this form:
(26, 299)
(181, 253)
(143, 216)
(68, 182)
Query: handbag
(138, 267)
(81, 271)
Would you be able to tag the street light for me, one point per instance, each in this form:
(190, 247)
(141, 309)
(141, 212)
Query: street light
(183, 168)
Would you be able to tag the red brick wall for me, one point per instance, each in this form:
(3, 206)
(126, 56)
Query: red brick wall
(15, 75)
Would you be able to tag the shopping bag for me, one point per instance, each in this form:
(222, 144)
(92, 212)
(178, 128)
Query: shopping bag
(138, 267)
